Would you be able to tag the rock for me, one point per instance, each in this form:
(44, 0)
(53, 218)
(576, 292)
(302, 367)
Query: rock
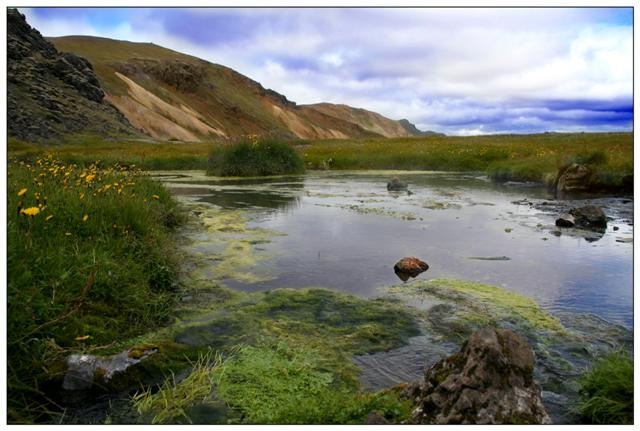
(115, 372)
(589, 217)
(574, 178)
(566, 220)
(396, 185)
(409, 267)
(489, 381)
(375, 418)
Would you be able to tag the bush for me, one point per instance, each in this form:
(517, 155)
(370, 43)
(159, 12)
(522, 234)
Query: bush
(253, 158)
(607, 390)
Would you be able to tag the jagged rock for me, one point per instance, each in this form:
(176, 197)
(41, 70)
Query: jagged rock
(375, 418)
(409, 267)
(396, 185)
(51, 94)
(489, 381)
(589, 217)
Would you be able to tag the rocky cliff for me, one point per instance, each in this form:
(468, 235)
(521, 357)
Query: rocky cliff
(52, 94)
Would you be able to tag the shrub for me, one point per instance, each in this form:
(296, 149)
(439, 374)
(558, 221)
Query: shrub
(607, 390)
(253, 157)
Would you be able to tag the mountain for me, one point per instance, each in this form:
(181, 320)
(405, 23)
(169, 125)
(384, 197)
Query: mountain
(80, 84)
(50, 94)
(414, 131)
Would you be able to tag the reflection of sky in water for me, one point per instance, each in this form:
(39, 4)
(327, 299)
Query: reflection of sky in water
(346, 232)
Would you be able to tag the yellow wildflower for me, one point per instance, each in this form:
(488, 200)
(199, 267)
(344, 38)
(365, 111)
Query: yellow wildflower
(86, 217)
(22, 191)
(31, 211)
(155, 197)
(89, 178)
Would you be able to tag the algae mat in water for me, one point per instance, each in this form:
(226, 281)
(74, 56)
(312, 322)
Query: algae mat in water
(287, 359)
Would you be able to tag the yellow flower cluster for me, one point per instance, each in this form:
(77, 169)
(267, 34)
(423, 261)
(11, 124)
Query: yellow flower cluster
(50, 174)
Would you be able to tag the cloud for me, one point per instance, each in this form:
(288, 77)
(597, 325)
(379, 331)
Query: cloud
(456, 70)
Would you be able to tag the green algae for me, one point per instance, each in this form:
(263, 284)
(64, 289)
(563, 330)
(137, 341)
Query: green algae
(477, 304)
(403, 215)
(287, 358)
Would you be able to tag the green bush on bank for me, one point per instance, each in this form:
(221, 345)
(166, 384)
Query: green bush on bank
(89, 262)
(607, 390)
(255, 157)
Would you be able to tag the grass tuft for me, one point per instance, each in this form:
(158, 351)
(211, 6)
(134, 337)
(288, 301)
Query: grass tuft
(253, 158)
(607, 390)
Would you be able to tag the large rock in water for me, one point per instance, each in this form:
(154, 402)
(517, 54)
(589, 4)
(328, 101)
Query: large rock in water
(589, 217)
(575, 178)
(489, 381)
(409, 267)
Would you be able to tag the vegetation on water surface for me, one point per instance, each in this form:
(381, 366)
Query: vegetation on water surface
(282, 357)
(89, 262)
(607, 390)
(253, 157)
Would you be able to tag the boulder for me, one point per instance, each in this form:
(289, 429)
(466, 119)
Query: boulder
(574, 178)
(395, 185)
(589, 217)
(489, 381)
(409, 267)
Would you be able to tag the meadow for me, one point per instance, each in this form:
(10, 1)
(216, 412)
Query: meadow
(502, 157)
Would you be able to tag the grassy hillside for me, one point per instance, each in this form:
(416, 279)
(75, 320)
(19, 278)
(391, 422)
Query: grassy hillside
(173, 95)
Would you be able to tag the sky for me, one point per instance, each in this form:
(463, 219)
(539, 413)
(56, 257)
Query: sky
(459, 71)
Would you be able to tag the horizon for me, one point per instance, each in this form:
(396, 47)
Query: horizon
(500, 71)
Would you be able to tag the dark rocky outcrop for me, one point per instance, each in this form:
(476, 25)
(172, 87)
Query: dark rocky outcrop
(489, 381)
(409, 267)
(50, 94)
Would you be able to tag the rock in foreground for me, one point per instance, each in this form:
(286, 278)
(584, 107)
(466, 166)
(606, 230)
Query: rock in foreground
(489, 381)
(395, 185)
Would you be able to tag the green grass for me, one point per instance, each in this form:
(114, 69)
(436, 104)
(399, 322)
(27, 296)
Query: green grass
(607, 390)
(255, 158)
(503, 157)
(90, 261)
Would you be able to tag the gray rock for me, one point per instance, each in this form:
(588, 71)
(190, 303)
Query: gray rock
(573, 178)
(489, 381)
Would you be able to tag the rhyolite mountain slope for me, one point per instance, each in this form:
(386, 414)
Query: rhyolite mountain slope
(51, 94)
(170, 95)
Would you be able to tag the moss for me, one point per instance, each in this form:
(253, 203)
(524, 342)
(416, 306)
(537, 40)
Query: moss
(483, 304)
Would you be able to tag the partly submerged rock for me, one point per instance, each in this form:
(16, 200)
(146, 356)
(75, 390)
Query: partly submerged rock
(395, 185)
(590, 217)
(566, 220)
(409, 267)
(489, 381)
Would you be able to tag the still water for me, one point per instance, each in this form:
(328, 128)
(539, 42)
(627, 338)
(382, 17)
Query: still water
(345, 231)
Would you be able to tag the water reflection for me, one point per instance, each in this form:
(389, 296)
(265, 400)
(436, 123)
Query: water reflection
(345, 231)
(242, 198)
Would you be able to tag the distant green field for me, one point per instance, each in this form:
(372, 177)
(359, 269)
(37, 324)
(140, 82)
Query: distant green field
(503, 157)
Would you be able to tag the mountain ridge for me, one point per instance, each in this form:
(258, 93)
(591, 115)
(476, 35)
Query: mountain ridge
(114, 87)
